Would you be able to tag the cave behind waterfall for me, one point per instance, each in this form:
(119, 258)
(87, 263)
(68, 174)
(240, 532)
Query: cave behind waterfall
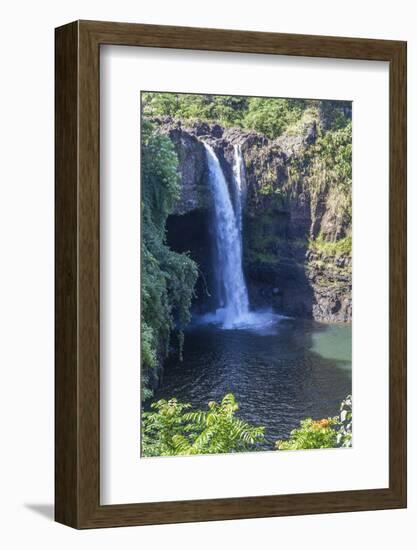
(191, 232)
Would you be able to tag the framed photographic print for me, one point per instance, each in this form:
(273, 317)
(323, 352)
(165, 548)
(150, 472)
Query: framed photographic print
(230, 274)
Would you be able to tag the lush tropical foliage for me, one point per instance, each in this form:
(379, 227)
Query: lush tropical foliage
(173, 429)
(168, 278)
(322, 434)
(269, 116)
(312, 434)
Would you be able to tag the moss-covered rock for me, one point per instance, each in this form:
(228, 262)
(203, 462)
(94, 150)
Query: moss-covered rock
(192, 166)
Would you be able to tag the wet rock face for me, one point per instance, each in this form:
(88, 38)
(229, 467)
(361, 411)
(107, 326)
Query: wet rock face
(281, 215)
(331, 282)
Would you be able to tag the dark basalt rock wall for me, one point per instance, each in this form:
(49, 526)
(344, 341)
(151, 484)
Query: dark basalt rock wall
(192, 166)
(283, 213)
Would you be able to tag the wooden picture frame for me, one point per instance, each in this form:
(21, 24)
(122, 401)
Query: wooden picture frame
(77, 405)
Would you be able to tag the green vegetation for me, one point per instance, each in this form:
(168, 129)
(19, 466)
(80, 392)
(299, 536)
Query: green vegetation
(341, 247)
(273, 117)
(334, 153)
(226, 110)
(327, 165)
(268, 116)
(312, 434)
(174, 430)
(322, 434)
(168, 278)
(263, 245)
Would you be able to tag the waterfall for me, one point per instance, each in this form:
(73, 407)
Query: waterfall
(234, 300)
(239, 177)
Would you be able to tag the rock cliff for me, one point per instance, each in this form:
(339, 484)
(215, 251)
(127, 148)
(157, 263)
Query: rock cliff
(296, 231)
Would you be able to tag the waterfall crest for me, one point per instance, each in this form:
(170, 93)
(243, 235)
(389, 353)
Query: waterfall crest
(234, 302)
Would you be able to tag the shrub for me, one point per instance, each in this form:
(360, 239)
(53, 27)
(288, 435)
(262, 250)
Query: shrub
(171, 429)
(322, 434)
(312, 434)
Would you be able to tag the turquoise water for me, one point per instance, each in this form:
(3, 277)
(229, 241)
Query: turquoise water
(334, 343)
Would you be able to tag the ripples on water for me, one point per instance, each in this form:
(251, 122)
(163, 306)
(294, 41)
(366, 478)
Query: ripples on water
(280, 370)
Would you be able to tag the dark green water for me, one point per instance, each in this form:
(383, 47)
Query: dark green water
(280, 373)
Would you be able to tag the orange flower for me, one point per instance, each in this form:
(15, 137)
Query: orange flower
(323, 423)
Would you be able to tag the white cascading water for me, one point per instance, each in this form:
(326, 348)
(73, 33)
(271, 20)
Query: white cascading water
(228, 236)
(239, 177)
